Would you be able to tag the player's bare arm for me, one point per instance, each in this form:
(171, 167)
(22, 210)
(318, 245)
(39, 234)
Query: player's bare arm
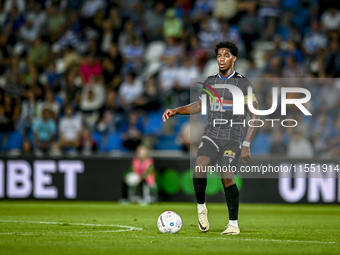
(245, 151)
(192, 108)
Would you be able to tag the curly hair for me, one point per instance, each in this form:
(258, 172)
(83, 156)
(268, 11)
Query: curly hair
(229, 45)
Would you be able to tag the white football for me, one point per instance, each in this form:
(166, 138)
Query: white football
(169, 222)
(132, 179)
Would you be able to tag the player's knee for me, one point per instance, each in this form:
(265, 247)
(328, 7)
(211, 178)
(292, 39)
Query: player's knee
(228, 182)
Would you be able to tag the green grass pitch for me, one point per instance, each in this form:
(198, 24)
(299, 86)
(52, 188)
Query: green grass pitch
(109, 228)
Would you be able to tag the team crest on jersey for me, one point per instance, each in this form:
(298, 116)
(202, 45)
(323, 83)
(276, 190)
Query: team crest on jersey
(229, 153)
(201, 144)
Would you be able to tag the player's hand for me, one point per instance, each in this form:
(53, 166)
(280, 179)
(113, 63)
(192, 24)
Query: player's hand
(168, 113)
(245, 154)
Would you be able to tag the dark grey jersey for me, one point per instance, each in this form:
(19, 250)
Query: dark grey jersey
(229, 131)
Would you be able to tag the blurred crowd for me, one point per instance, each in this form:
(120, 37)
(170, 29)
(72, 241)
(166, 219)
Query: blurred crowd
(80, 76)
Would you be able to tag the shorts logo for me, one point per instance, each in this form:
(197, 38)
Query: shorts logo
(229, 153)
(201, 144)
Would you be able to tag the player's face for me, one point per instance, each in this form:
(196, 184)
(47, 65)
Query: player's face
(225, 59)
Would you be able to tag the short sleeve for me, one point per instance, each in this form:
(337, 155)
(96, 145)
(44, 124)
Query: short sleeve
(246, 85)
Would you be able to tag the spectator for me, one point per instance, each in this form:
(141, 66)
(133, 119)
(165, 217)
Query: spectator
(196, 52)
(111, 74)
(53, 81)
(27, 147)
(56, 21)
(252, 71)
(332, 60)
(49, 103)
(331, 19)
(32, 84)
(185, 73)
(91, 7)
(87, 144)
(335, 140)
(38, 54)
(172, 25)
(69, 130)
(207, 37)
(322, 135)
(9, 113)
(92, 100)
(126, 37)
(153, 20)
(133, 55)
(29, 32)
(73, 89)
(167, 77)
(37, 16)
(14, 21)
(269, 12)
(133, 131)
(109, 116)
(71, 58)
(250, 29)
(116, 59)
(150, 100)
(28, 109)
(314, 40)
(293, 69)
(108, 37)
(172, 50)
(91, 66)
(278, 147)
(329, 98)
(130, 90)
(20, 4)
(299, 147)
(44, 132)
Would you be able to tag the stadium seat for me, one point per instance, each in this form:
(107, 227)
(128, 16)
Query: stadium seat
(290, 4)
(14, 141)
(181, 119)
(98, 137)
(167, 143)
(114, 142)
(154, 50)
(154, 124)
(260, 146)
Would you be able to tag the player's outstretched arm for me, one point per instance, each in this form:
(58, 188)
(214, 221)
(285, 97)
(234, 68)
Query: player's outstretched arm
(245, 151)
(192, 108)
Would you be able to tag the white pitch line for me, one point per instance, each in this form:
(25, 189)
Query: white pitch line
(248, 239)
(127, 228)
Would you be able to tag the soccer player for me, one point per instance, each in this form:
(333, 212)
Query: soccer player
(221, 144)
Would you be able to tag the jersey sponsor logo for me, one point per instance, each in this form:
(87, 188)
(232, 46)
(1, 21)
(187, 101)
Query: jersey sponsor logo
(227, 105)
(201, 144)
(229, 153)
